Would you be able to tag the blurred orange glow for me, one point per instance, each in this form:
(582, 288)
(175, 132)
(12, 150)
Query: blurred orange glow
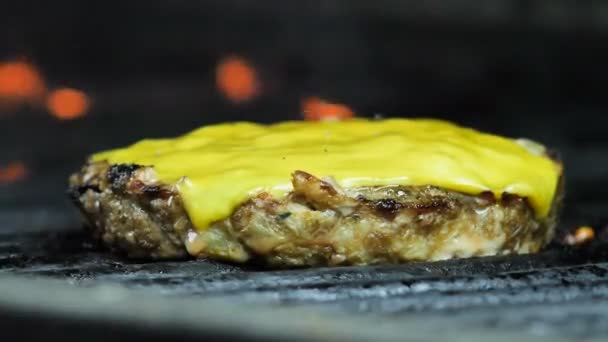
(13, 172)
(584, 233)
(581, 235)
(20, 81)
(237, 79)
(315, 109)
(67, 103)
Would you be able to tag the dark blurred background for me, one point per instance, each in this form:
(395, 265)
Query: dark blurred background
(79, 76)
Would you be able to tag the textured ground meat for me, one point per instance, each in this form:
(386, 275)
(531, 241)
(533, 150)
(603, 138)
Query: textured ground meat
(318, 223)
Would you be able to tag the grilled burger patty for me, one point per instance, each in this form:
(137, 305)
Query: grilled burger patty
(318, 223)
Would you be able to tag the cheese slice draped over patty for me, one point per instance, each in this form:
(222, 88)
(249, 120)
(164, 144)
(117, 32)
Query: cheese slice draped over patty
(218, 167)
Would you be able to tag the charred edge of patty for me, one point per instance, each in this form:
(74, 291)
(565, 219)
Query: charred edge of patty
(127, 213)
(132, 213)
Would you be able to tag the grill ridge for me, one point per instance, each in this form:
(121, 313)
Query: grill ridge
(495, 285)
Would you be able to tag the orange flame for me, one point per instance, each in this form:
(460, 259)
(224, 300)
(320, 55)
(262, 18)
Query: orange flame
(13, 172)
(581, 235)
(315, 109)
(67, 103)
(237, 79)
(584, 233)
(20, 81)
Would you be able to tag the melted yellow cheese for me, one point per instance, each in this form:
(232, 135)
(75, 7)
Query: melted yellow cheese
(218, 167)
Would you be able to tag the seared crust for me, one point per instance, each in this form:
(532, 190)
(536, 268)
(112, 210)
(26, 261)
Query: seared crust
(129, 214)
(318, 223)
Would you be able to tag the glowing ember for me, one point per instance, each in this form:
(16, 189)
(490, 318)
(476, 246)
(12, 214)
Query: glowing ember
(13, 172)
(581, 235)
(317, 109)
(20, 81)
(237, 79)
(67, 103)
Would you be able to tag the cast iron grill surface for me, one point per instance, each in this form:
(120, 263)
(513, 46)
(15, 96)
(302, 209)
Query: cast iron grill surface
(561, 292)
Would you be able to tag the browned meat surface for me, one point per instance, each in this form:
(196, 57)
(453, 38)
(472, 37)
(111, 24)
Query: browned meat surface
(318, 223)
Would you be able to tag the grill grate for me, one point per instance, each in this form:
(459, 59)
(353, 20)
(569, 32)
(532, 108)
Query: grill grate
(491, 291)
